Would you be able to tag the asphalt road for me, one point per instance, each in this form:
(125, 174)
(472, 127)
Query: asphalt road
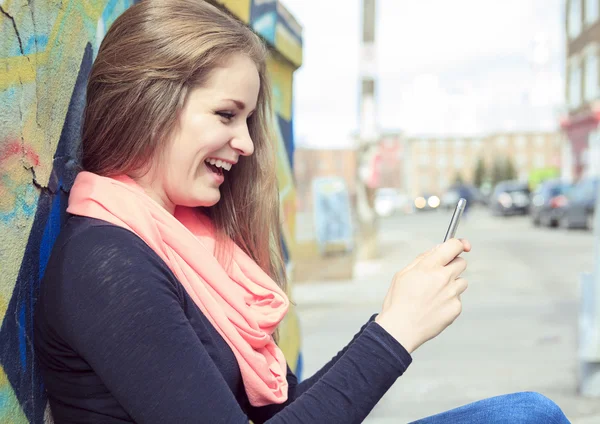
(517, 332)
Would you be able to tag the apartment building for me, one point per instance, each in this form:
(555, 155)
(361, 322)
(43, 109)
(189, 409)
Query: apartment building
(581, 151)
(432, 164)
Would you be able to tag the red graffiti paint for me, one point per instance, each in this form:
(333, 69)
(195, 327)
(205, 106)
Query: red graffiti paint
(15, 148)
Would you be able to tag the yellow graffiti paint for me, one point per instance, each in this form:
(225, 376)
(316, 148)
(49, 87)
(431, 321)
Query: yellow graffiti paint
(287, 192)
(281, 73)
(44, 82)
(10, 410)
(288, 45)
(240, 8)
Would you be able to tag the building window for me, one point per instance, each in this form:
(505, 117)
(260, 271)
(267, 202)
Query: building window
(424, 159)
(521, 160)
(424, 144)
(477, 144)
(442, 161)
(459, 161)
(591, 76)
(425, 182)
(574, 27)
(575, 86)
(591, 11)
(521, 141)
(441, 144)
(459, 143)
(538, 160)
(539, 141)
(501, 141)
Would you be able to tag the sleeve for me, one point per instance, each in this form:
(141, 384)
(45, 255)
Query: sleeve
(347, 388)
(261, 414)
(128, 323)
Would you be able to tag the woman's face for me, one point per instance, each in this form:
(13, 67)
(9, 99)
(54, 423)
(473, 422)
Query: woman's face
(212, 135)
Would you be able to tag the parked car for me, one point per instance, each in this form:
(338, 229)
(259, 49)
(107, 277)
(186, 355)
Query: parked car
(450, 198)
(389, 201)
(510, 198)
(547, 201)
(467, 191)
(578, 212)
(427, 202)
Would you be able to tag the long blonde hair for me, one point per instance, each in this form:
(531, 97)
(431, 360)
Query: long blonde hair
(152, 56)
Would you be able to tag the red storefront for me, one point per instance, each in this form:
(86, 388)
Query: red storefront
(578, 129)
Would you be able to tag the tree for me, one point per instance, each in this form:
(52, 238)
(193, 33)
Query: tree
(458, 178)
(498, 171)
(479, 174)
(511, 172)
(503, 170)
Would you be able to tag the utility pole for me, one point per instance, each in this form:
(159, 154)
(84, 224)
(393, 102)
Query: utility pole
(589, 309)
(367, 244)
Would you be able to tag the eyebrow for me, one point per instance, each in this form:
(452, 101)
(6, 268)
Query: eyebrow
(240, 105)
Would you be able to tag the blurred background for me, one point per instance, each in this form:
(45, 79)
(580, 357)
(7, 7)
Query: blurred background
(400, 109)
(387, 112)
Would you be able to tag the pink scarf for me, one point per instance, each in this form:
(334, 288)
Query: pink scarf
(243, 303)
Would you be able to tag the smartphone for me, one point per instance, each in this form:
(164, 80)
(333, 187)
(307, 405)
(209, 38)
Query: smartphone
(458, 211)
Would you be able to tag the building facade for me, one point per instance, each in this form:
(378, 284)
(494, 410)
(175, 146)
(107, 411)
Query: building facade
(432, 164)
(581, 151)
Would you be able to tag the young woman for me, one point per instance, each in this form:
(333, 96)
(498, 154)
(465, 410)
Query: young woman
(165, 288)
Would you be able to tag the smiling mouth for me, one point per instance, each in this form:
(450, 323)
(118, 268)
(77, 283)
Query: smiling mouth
(215, 169)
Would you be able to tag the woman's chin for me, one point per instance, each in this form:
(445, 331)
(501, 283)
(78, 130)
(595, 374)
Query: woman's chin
(207, 201)
(204, 197)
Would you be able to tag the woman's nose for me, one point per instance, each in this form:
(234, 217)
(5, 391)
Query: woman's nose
(243, 142)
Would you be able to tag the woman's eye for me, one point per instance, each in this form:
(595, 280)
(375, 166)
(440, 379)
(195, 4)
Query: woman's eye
(226, 115)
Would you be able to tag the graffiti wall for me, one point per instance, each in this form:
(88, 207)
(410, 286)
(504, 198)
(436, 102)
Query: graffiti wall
(46, 51)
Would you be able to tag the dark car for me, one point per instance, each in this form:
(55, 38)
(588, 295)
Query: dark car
(510, 198)
(578, 212)
(547, 201)
(467, 191)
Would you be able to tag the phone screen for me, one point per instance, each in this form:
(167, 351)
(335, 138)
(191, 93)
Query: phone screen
(458, 211)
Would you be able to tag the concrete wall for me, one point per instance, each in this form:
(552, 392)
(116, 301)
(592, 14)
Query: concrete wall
(46, 51)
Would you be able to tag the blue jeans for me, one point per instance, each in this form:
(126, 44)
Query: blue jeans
(517, 408)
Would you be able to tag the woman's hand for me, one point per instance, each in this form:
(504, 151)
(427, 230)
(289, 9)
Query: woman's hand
(424, 298)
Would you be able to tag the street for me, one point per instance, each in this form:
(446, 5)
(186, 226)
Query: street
(517, 332)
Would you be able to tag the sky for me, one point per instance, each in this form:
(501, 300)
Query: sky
(459, 67)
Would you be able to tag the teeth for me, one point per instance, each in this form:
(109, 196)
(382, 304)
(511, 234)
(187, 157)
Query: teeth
(219, 163)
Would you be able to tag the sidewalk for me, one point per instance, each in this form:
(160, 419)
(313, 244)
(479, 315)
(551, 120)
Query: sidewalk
(516, 333)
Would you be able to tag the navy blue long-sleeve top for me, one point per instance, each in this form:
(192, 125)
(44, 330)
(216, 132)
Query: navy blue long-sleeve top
(119, 340)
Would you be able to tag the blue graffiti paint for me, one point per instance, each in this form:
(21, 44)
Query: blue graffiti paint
(16, 332)
(113, 9)
(11, 94)
(3, 399)
(287, 132)
(35, 44)
(50, 232)
(265, 26)
(299, 366)
(22, 339)
(25, 206)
